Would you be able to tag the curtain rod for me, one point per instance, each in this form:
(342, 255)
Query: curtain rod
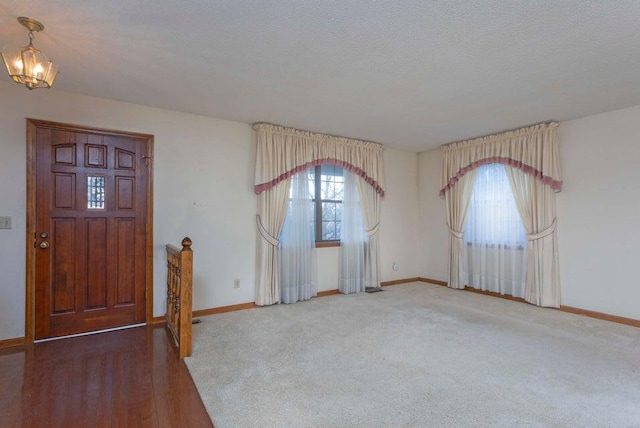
(291, 129)
(497, 134)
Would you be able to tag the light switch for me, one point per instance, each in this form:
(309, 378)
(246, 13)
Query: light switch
(5, 222)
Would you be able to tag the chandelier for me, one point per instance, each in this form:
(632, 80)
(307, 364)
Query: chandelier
(27, 65)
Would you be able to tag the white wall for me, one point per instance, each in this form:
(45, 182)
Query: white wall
(434, 237)
(203, 188)
(598, 213)
(399, 216)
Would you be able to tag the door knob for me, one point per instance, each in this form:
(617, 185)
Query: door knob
(44, 244)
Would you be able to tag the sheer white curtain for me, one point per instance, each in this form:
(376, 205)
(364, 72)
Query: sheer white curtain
(352, 277)
(297, 258)
(495, 242)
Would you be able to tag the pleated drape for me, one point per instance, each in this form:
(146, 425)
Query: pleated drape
(457, 203)
(272, 208)
(370, 203)
(537, 207)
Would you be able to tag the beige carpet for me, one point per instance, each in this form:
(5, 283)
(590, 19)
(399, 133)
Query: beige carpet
(415, 355)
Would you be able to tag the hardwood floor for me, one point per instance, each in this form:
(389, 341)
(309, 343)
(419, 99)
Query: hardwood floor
(126, 378)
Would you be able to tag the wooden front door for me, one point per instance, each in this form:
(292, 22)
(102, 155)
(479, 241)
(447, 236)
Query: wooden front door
(92, 197)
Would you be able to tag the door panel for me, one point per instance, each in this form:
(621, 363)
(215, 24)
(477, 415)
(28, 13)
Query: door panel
(96, 263)
(63, 282)
(64, 191)
(91, 208)
(125, 258)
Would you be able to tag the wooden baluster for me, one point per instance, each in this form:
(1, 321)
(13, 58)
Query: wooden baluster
(174, 296)
(169, 288)
(179, 294)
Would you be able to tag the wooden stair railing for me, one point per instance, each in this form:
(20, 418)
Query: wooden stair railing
(179, 295)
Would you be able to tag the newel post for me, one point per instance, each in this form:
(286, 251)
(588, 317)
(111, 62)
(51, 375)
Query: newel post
(186, 296)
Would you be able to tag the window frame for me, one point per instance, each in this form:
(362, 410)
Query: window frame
(317, 202)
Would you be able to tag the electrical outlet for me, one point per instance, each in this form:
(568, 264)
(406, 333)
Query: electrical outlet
(5, 222)
(236, 283)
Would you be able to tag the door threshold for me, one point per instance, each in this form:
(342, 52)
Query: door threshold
(124, 327)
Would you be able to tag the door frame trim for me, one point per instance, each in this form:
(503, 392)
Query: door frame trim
(30, 307)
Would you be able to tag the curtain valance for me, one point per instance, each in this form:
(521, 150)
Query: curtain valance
(534, 150)
(283, 152)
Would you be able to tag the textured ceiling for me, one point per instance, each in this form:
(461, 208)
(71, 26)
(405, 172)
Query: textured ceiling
(408, 74)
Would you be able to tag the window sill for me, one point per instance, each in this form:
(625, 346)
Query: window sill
(498, 246)
(327, 244)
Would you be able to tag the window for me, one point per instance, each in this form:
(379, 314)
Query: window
(492, 218)
(326, 188)
(495, 257)
(95, 192)
(329, 185)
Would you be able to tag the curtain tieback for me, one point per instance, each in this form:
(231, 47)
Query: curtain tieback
(456, 234)
(267, 237)
(544, 233)
(373, 230)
